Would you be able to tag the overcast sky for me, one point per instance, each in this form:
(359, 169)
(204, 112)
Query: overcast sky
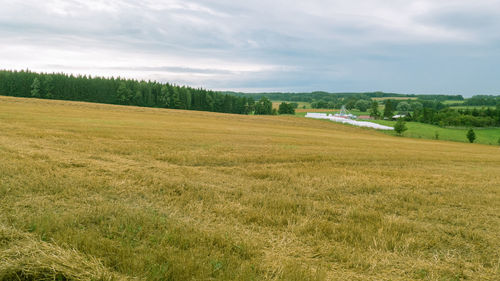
(446, 46)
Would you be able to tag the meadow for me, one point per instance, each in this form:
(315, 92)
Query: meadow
(105, 192)
(395, 98)
(301, 104)
(487, 135)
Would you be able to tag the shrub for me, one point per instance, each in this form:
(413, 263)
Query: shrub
(471, 135)
(400, 126)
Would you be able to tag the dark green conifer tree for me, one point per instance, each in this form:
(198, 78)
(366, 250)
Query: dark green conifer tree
(374, 112)
(471, 135)
(35, 88)
(123, 94)
(388, 109)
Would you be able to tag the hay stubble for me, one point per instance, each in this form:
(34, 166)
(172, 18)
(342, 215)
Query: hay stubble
(181, 195)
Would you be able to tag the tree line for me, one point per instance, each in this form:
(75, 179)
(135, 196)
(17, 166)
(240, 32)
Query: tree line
(126, 92)
(436, 113)
(482, 100)
(325, 99)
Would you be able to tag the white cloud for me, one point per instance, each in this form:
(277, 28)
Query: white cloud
(237, 44)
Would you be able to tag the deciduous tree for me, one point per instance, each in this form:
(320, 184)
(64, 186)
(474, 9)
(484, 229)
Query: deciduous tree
(400, 126)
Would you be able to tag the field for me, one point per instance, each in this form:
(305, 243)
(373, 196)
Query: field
(395, 98)
(103, 192)
(276, 104)
(471, 107)
(420, 130)
(448, 102)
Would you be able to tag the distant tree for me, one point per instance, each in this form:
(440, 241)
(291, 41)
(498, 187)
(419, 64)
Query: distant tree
(138, 98)
(319, 104)
(264, 107)
(400, 126)
(436, 135)
(227, 105)
(416, 106)
(119, 91)
(403, 107)
(388, 109)
(251, 105)
(163, 96)
(498, 141)
(471, 136)
(362, 105)
(49, 87)
(475, 112)
(175, 101)
(123, 94)
(35, 88)
(350, 103)
(286, 108)
(374, 110)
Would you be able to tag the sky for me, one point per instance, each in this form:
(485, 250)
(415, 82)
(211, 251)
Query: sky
(405, 46)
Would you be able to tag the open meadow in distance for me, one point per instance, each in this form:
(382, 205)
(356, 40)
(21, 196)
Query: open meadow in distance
(105, 192)
(488, 135)
(395, 98)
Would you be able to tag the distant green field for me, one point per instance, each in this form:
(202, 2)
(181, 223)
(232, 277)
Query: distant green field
(453, 101)
(426, 131)
(300, 103)
(489, 136)
(472, 107)
(395, 98)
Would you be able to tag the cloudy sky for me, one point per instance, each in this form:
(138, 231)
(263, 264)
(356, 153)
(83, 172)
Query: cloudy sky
(447, 46)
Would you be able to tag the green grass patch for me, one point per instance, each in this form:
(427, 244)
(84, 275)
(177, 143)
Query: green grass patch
(471, 107)
(426, 131)
(453, 101)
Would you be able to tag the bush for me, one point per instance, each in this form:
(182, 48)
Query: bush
(362, 105)
(400, 126)
(403, 107)
(286, 108)
(471, 136)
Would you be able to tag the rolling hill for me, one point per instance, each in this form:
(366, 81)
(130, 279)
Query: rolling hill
(106, 192)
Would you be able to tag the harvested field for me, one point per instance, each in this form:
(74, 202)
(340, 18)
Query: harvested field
(103, 192)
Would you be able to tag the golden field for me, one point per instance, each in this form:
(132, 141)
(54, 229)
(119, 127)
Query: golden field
(103, 192)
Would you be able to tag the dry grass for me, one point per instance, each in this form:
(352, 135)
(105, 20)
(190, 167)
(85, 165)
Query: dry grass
(177, 195)
(23, 257)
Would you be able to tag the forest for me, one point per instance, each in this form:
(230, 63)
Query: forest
(429, 109)
(437, 113)
(126, 92)
(335, 97)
